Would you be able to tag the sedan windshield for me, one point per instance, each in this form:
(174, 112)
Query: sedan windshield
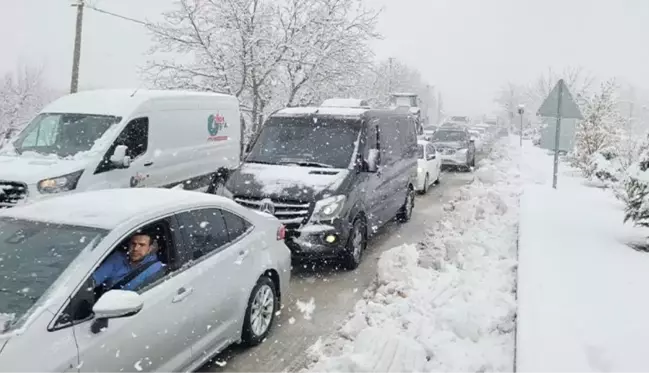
(311, 142)
(63, 134)
(449, 136)
(32, 256)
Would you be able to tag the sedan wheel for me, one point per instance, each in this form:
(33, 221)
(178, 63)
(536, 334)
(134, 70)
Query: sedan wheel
(260, 313)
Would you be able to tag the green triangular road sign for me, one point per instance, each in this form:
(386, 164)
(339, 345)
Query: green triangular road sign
(550, 106)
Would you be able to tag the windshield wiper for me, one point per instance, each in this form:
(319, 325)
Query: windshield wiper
(309, 164)
(260, 162)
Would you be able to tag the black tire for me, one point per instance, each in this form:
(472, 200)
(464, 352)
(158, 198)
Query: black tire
(356, 245)
(405, 212)
(249, 336)
(425, 189)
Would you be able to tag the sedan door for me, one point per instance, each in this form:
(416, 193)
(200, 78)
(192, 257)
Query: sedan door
(159, 337)
(226, 274)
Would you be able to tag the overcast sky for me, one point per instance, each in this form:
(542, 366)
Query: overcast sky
(466, 48)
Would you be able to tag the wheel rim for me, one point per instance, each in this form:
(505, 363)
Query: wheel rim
(357, 244)
(261, 311)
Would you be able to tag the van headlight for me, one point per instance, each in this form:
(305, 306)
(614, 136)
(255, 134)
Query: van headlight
(328, 208)
(60, 184)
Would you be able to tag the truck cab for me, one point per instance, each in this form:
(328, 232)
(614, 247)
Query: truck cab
(412, 102)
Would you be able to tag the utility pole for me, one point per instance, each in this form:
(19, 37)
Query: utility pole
(390, 75)
(76, 56)
(439, 107)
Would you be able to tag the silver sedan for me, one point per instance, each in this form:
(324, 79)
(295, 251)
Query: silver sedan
(135, 280)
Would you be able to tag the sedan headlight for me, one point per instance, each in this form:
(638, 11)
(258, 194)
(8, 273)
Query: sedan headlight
(328, 208)
(60, 184)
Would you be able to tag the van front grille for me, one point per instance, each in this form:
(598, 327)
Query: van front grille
(287, 211)
(11, 192)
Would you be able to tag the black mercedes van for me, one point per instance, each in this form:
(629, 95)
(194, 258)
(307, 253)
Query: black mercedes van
(333, 176)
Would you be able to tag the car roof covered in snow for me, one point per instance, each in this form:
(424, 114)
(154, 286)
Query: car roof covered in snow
(121, 102)
(108, 208)
(404, 94)
(331, 111)
(345, 102)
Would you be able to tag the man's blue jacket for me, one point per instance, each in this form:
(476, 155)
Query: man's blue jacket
(117, 266)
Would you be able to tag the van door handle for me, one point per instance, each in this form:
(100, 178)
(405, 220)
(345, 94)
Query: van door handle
(182, 294)
(147, 164)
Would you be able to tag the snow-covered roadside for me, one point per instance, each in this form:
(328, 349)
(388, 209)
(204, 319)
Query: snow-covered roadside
(581, 287)
(447, 304)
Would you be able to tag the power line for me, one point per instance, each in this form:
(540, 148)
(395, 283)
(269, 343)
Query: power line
(125, 18)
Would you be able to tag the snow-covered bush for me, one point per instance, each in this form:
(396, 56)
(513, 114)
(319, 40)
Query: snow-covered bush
(637, 193)
(599, 131)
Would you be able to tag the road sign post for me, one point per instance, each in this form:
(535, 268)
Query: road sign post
(559, 104)
(521, 111)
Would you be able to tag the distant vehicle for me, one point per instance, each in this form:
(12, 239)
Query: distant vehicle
(108, 139)
(429, 166)
(455, 147)
(346, 102)
(332, 176)
(460, 120)
(412, 102)
(428, 132)
(220, 272)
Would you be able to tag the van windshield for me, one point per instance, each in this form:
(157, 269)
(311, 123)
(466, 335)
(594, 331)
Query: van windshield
(63, 134)
(32, 256)
(312, 142)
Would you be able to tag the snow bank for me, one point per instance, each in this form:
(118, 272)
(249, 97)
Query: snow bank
(447, 304)
(581, 287)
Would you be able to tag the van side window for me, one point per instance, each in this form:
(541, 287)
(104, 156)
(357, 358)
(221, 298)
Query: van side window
(371, 138)
(390, 138)
(135, 136)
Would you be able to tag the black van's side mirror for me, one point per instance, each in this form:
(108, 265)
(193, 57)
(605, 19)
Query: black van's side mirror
(373, 160)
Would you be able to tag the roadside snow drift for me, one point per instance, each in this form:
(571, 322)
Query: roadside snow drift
(582, 301)
(447, 304)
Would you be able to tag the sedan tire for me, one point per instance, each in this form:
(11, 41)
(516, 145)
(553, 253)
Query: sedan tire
(260, 313)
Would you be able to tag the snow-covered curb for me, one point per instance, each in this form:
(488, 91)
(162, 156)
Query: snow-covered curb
(447, 304)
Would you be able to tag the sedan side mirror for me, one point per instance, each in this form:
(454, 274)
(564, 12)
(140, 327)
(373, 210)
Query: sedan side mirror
(115, 304)
(432, 156)
(373, 160)
(119, 157)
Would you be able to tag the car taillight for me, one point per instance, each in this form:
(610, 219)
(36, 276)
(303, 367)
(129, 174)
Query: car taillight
(281, 233)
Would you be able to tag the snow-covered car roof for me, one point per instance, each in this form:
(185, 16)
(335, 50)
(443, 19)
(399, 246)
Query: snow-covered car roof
(333, 111)
(345, 103)
(119, 102)
(108, 208)
(403, 94)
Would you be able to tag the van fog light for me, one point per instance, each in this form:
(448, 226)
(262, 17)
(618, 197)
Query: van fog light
(330, 238)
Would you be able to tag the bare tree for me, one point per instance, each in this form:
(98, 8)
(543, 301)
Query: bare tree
(22, 95)
(259, 50)
(578, 80)
(330, 43)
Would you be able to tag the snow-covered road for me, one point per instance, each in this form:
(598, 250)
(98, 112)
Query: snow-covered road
(321, 300)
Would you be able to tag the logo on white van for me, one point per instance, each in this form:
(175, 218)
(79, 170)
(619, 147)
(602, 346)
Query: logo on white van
(215, 124)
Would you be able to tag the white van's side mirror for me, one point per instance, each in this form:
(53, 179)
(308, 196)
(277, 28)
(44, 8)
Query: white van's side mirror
(119, 157)
(373, 160)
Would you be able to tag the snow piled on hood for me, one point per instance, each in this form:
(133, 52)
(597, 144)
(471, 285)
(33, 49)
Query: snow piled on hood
(448, 303)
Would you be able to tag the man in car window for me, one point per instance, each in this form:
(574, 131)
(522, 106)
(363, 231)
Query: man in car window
(118, 269)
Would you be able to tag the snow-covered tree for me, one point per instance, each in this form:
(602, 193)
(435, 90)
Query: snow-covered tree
(22, 94)
(601, 129)
(265, 52)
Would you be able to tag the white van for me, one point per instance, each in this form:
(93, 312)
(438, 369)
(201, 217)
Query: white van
(122, 138)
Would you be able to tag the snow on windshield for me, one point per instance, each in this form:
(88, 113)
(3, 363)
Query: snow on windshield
(32, 256)
(63, 135)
